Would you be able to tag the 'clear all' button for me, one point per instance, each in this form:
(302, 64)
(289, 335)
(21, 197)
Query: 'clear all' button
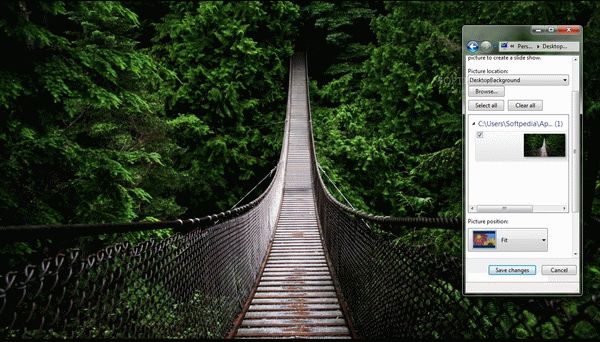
(525, 105)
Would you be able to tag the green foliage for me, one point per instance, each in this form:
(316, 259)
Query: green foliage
(113, 116)
(81, 127)
(85, 134)
(345, 30)
(228, 102)
(401, 104)
(393, 111)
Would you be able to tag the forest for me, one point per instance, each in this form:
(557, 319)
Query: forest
(131, 111)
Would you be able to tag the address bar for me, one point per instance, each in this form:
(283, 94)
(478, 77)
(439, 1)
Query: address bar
(519, 46)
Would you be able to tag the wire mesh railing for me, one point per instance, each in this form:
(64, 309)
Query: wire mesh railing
(405, 285)
(188, 285)
(397, 280)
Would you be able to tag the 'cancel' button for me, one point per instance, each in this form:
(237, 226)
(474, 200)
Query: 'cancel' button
(559, 270)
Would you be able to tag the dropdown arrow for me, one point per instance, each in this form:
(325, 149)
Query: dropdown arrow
(543, 239)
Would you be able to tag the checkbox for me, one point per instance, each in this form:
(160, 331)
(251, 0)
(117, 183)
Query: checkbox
(479, 134)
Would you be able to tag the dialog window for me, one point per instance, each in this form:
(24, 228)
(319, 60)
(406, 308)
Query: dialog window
(522, 106)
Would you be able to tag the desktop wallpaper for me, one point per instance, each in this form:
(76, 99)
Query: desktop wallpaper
(136, 111)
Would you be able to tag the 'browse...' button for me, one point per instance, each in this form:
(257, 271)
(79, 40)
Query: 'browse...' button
(511, 269)
(486, 91)
(486, 105)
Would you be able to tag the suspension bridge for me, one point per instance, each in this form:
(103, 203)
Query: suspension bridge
(294, 262)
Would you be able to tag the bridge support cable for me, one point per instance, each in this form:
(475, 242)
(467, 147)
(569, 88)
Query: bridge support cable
(338, 190)
(335, 186)
(254, 188)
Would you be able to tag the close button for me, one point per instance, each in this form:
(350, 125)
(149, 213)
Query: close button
(559, 269)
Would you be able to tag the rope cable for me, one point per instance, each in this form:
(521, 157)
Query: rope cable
(335, 186)
(340, 192)
(249, 192)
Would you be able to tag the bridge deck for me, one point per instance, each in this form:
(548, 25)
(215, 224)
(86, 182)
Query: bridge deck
(295, 296)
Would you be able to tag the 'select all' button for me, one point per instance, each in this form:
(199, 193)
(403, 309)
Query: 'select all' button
(486, 105)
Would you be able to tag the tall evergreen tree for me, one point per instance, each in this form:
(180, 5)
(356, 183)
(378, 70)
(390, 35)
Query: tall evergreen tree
(228, 102)
(80, 130)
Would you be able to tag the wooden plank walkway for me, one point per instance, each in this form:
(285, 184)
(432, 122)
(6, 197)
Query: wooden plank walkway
(295, 296)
